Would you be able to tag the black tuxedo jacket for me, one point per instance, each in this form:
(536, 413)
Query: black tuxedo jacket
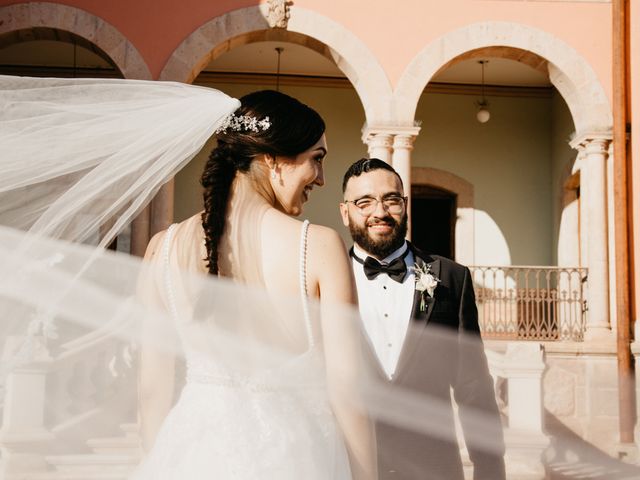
(443, 351)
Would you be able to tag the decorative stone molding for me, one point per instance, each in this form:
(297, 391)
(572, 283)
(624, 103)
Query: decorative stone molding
(592, 145)
(379, 140)
(403, 141)
(278, 15)
(380, 145)
(384, 141)
(113, 43)
(389, 132)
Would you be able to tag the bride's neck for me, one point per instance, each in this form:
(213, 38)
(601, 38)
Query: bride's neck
(240, 248)
(254, 187)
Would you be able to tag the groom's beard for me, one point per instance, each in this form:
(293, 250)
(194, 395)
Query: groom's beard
(384, 246)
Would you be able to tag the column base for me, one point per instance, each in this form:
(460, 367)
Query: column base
(627, 452)
(524, 456)
(599, 334)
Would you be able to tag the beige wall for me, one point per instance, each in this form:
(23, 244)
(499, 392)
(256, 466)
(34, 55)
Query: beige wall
(508, 161)
(564, 235)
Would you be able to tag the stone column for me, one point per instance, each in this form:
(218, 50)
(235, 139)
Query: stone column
(402, 147)
(593, 192)
(162, 208)
(140, 232)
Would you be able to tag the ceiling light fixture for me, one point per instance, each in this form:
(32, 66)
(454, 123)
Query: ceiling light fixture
(483, 115)
(279, 50)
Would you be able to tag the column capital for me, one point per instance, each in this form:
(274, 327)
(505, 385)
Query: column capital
(378, 140)
(592, 142)
(389, 131)
(403, 141)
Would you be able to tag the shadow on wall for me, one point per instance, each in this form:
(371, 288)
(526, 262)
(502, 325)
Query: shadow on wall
(570, 457)
(491, 247)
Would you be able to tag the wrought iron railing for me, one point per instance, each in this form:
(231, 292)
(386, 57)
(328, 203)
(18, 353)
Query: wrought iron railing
(531, 303)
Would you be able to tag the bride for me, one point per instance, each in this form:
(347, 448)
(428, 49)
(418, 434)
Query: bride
(268, 159)
(269, 389)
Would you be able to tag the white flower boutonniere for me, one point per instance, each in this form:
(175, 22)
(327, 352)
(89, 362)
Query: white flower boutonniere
(426, 282)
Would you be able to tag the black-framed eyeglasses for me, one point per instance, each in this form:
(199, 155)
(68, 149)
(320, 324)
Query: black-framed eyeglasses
(393, 204)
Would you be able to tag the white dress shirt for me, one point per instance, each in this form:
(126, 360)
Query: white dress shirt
(385, 307)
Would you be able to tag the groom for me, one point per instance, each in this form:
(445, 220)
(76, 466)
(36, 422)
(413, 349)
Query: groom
(420, 316)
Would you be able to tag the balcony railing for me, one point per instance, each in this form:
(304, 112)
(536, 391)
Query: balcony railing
(531, 303)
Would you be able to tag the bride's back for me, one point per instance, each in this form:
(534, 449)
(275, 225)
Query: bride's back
(263, 170)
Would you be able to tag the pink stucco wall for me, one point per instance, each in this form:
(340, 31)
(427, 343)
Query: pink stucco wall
(157, 27)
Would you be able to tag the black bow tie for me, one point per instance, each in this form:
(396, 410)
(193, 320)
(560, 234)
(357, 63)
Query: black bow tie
(372, 267)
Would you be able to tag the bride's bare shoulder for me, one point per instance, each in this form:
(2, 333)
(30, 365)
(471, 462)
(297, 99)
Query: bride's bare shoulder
(325, 239)
(320, 238)
(187, 233)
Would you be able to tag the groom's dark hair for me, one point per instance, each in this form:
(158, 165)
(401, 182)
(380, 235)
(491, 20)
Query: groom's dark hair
(365, 165)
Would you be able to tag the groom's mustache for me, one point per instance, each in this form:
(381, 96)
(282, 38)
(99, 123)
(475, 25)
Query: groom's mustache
(382, 221)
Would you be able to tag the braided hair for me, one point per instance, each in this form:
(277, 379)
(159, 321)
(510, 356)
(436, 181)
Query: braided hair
(294, 128)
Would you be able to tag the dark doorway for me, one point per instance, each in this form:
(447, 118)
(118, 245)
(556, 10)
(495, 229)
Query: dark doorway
(433, 218)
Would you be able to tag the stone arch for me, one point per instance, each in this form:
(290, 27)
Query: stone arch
(305, 27)
(110, 41)
(463, 190)
(568, 71)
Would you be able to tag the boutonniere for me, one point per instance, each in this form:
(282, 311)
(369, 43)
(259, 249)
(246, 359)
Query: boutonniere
(426, 282)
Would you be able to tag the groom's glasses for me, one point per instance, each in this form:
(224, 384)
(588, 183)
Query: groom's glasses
(394, 204)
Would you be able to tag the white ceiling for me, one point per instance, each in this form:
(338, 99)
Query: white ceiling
(261, 57)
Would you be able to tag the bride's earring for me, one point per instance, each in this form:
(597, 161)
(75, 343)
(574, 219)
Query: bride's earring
(273, 174)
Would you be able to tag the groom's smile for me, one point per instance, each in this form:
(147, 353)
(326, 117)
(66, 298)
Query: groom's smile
(382, 228)
(374, 210)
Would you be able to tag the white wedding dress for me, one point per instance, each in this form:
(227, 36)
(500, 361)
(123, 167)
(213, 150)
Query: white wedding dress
(274, 423)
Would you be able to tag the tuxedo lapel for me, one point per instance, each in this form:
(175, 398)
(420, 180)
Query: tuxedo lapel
(419, 318)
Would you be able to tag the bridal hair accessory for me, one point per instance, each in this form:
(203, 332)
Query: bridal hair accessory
(239, 123)
(426, 281)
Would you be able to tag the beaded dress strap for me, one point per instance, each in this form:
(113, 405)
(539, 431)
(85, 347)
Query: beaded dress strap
(303, 283)
(168, 285)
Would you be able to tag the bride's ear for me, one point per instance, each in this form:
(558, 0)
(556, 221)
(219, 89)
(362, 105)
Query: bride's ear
(269, 160)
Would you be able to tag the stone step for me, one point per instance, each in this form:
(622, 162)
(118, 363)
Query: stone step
(97, 475)
(93, 463)
(127, 445)
(131, 429)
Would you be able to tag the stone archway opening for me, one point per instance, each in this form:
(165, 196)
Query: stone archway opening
(437, 234)
(44, 21)
(514, 161)
(52, 52)
(273, 37)
(442, 213)
(525, 57)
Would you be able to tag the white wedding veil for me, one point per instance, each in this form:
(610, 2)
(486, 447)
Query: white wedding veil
(79, 159)
(81, 154)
